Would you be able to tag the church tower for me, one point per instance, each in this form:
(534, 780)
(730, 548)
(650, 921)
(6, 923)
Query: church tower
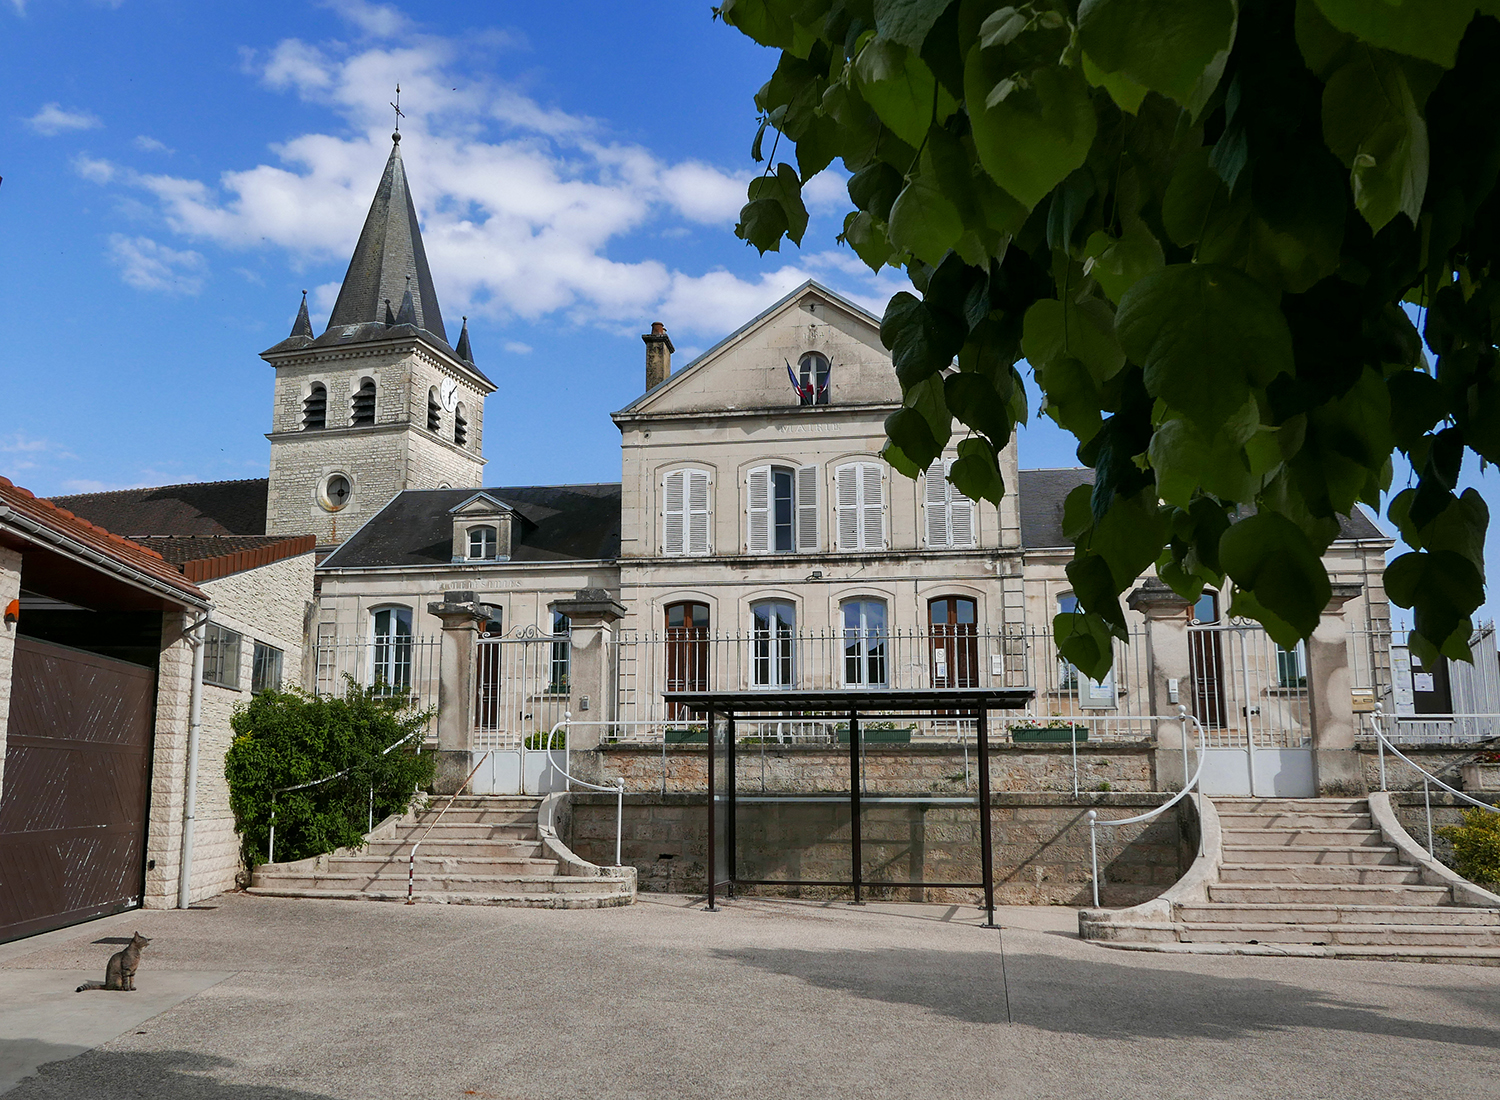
(380, 402)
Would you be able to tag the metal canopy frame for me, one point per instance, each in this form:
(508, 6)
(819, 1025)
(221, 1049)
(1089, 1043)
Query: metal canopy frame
(949, 703)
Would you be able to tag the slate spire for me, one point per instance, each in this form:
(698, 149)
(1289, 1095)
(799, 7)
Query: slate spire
(462, 351)
(302, 326)
(407, 314)
(389, 259)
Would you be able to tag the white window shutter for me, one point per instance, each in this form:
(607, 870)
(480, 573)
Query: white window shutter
(872, 507)
(846, 492)
(699, 513)
(935, 501)
(674, 512)
(961, 515)
(807, 509)
(758, 510)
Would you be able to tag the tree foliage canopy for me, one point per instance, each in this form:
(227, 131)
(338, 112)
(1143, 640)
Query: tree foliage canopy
(1198, 222)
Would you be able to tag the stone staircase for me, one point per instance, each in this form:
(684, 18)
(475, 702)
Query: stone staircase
(485, 850)
(1319, 872)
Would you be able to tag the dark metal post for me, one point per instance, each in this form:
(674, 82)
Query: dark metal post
(986, 851)
(712, 908)
(854, 777)
(731, 808)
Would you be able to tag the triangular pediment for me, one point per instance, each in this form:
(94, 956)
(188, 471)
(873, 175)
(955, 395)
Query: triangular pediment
(748, 368)
(481, 504)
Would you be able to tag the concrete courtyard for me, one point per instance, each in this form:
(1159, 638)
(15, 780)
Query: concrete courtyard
(295, 1000)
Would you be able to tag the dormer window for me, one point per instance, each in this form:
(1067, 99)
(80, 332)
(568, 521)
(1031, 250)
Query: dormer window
(812, 379)
(460, 426)
(434, 411)
(315, 407)
(482, 543)
(363, 405)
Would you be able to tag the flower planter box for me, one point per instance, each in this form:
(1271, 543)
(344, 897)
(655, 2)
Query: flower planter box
(879, 736)
(687, 736)
(1031, 735)
(1481, 777)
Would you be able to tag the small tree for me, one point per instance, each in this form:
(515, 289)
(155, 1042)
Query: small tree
(1476, 845)
(366, 740)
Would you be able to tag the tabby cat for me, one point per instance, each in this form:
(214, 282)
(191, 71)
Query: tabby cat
(120, 973)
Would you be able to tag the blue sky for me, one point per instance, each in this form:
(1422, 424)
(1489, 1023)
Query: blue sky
(176, 172)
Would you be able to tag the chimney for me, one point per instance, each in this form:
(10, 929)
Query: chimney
(659, 351)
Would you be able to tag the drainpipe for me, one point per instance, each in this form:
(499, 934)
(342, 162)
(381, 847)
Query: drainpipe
(196, 635)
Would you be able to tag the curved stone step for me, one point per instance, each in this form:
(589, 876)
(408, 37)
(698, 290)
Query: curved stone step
(1328, 893)
(1305, 838)
(1286, 854)
(439, 864)
(438, 845)
(606, 896)
(1397, 935)
(455, 883)
(1318, 873)
(1232, 822)
(1251, 913)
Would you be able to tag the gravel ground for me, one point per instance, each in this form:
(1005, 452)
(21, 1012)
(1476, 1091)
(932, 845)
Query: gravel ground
(279, 999)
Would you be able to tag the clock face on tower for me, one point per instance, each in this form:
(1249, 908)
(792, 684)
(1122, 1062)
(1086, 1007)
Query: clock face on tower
(448, 391)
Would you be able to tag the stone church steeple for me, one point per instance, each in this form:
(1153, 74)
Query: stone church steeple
(379, 402)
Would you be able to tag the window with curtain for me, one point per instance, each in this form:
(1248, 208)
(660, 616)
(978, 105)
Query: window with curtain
(687, 651)
(813, 378)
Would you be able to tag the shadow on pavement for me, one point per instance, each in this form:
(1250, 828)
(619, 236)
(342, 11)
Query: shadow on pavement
(1095, 998)
(161, 1075)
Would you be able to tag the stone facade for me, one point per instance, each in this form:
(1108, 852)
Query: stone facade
(1041, 846)
(10, 589)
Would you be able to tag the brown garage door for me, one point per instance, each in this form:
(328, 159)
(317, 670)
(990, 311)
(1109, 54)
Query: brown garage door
(75, 788)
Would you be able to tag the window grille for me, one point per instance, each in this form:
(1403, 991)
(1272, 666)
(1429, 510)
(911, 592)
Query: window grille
(315, 407)
(221, 657)
(265, 669)
(363, 405)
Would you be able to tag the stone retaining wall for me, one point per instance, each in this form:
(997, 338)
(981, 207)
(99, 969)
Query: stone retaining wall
(1041, 846)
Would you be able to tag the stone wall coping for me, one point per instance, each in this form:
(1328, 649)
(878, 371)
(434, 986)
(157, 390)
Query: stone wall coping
(1087, 800)
(921, 748)
(1433, 873)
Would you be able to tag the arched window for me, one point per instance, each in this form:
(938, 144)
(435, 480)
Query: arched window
(460, 425)
(390, 651)
(434, 411)
(864, 643)
(687, 651)
(955, 641)
(773, 635)
(482, 543)
(363, 405)
(315, 407)
(812, 379)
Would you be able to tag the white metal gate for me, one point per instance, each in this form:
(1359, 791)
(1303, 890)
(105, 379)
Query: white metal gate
(1250, 695)
(520, 693)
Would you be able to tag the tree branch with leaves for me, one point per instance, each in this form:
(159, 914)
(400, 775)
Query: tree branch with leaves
(1202, 224)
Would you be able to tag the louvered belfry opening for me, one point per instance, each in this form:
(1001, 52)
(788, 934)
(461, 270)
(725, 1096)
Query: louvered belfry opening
(364, 403)
(315, 407)
(434, 411)
(460, 426)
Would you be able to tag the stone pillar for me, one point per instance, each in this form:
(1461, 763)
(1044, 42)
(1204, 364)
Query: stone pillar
(1167, 617)
(1336, 764)
(174, 691)
(10, 589)
(592, 613)
(461, 617)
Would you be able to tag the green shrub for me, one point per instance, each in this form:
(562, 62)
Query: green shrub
(543, 739)
(1476, 845)
(286, 738)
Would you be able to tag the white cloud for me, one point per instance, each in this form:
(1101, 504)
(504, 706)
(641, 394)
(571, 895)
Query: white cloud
(146, 265)
(93, 169)
(526, 209)
(53, 119)
(376, 20)
(20, 452)
(148, 144)
(515, 347)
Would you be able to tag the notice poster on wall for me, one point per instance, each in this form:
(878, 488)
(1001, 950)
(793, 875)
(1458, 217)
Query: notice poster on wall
(1422, 681)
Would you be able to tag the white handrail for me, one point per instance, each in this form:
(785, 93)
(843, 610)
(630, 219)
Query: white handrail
(618, 789)
(1382, 743)
(1093, 815)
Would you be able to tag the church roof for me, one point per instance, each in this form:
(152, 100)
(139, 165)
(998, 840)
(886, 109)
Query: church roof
(555, 523)
(1042, 493)
(202, 509)
(388, 260)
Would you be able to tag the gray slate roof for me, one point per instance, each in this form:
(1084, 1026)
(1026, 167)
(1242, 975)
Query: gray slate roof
(555, 523)
(202, 509)
(1043, 492)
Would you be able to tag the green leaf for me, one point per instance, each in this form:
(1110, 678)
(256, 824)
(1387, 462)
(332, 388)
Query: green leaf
(1372, 124)
(920, 429)
(1121, 262)
(924, 222)
(1204, 334)
(762, 222)
(1429, 29)
(1126, 93)
(785, 188)
(922, 341)
(874, 189)
(1270, 558)
(818, 145)
(1191, 194)
(1084, 332)
(1443, 589)
(1094, 585)
(766, 21)
(1084, 641)
(908, 21)
(1130, 536)
(974, 401)
(976, 472)
(1071, 397)
(900, 88)
(1166, 45)
(1032, 139)
(1186, 460)
(868, 238)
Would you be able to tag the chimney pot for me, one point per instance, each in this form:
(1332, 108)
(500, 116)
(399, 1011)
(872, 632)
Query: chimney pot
(659, 351)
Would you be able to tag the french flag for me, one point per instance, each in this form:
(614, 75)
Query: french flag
(802, 393)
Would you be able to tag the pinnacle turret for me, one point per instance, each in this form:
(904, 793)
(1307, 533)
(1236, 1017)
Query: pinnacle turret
(462, 351)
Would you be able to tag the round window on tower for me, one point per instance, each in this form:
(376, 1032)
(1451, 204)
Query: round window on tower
(335, 492)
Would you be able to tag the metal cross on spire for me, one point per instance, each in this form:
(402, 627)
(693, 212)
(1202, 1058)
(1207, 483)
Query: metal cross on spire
(396, 106)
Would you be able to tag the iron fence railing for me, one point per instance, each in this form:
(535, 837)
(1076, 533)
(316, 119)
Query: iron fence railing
(403, 667)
